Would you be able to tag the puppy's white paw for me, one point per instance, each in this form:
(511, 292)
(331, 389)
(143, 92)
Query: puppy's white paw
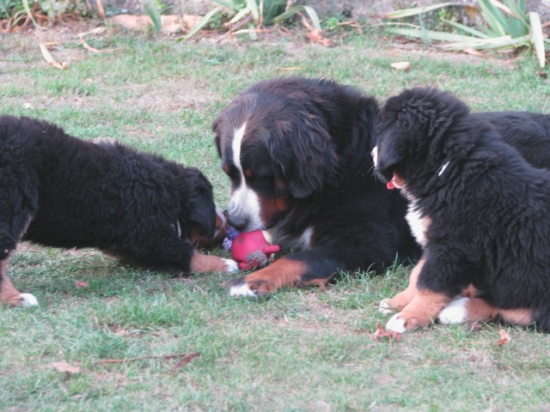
(230, 266)
(28, 300)
(396, 324)
(385, 307)
(240, 290)
(454, 312)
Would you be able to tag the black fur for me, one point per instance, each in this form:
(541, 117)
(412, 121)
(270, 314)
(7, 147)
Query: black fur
(107, 196)
(308, 141)
(489, 208)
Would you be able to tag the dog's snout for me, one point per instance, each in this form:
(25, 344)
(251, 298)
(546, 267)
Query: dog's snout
(238, 222)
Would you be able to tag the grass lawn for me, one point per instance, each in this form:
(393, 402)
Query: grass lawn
(299, 350)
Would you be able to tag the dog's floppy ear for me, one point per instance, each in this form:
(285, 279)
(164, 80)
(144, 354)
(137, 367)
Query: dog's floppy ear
(304, 152)
(202, 210)
(216, 125)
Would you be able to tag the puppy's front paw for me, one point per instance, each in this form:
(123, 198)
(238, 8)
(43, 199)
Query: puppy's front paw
(385, 307)
(239, 288)
(230, 266)
(402, 322)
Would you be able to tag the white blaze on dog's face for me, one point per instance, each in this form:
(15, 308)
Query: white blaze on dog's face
(374, 155)
(244, 204)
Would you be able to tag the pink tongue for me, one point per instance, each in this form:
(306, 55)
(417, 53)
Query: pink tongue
(390, 185)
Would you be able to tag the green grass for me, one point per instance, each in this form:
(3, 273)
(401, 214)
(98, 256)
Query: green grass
(298, 350)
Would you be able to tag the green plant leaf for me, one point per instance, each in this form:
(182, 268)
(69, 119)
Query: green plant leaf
(28, 11)
(203, 22)
(153, 12)
(467, 29)
(230, 4)
(239, 15)
(429, 34)
(399, 14)
(503, 42)
(253, 7)
(490, 13)
(537, 37)
(313, 16)
(296, 9)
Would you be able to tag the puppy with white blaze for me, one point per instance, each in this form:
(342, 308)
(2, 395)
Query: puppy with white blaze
(297, 153)
(486, 210)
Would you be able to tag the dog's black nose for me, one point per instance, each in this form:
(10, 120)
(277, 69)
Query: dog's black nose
(238, 222)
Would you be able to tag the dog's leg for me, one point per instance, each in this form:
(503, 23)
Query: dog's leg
(8, 294)
(444, 275)
(424, 307)
(309, 267)
(205, 263)
(402, 299)
(283, 272)
(474, 309)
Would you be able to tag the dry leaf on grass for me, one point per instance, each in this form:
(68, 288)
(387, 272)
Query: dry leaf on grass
(504, 337)
(65, 367)
(186, 359)
(49, 58)
(475, 52)
(381, 333)
(401, 65)
(81, 284)
(315, 36)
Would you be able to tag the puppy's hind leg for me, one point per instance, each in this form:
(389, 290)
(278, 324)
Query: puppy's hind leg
(8, 294)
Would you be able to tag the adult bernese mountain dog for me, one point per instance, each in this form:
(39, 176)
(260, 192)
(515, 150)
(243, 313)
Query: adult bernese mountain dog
(484, 211)
(297, 153)
(57, 190)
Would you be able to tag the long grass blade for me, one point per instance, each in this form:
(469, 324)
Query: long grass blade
(429, 34)
(313, 16)
(240, 15)
(399, 14)
(253, 7)
(467, 29)
(504, 42)
(493, 17)
(296, 9)
(153, 12)
(29, 13)
(203, 22)
(230, 4)
(537, 37)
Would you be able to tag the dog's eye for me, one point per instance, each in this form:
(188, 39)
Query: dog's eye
(231, 171)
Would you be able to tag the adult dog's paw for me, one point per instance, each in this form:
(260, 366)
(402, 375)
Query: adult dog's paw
(239, 288)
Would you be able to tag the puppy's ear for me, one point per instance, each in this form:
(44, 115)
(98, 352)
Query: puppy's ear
(305, 154)
(202, 210)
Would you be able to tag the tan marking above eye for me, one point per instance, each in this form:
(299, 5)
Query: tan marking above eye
(280, 185)
(248, 173)
(225, 168)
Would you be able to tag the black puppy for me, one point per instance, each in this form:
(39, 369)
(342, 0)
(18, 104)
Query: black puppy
(60, 191)
(485, 214)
